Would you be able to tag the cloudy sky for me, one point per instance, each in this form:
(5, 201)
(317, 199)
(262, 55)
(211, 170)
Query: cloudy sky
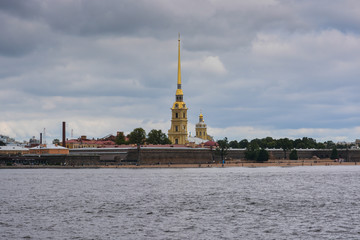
(254, 68)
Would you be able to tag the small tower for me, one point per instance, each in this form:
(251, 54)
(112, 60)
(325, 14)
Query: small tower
(178, 131)
(200, 129)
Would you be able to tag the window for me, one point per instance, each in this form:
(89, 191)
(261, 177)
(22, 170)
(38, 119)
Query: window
(176, 115)
(176, 141)
(176, 105)
(176, 128)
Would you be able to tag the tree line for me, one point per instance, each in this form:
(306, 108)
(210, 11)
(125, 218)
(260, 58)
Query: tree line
(256, 148)
(286, 143)
(139, 136)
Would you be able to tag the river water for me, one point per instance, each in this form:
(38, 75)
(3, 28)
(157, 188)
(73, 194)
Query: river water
(206, 203)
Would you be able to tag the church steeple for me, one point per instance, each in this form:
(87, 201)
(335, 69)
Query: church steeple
(178, 130)
(201, 129)
(179, 66)
(179, 92)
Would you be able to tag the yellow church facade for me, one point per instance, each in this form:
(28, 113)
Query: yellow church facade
(178, 133)
(201, 129)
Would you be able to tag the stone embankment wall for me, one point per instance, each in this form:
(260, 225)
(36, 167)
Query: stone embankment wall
(171, 156)
(48, 159)
(197, 156)
(348, 155)
(153, 156)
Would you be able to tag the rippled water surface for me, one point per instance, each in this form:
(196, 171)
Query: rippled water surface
(207, 203)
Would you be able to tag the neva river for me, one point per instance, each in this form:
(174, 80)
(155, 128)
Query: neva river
(213, 203)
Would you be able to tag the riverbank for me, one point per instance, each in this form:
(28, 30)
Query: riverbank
(271, 163)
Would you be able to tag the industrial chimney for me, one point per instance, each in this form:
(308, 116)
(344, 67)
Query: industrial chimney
(64, 134)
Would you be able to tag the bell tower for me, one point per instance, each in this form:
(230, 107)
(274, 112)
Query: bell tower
(178, 131)
(201, 129)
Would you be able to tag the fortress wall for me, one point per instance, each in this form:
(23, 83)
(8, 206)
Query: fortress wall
(144, 156)
(196, 156)
(236, 154)
(172, 156)
(82, 160)
(349, 155)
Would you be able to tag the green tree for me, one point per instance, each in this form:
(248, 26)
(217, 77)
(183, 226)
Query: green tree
(334, 154)
(56, 141)
(2, 143)
(252, 151)
(243, 143)
(320, 146)
(344, 146)
(263, 155)
(120, 138)
(234, 144)
(269, 142)
(222, 148)
(293, 155)
(297, 143)
(137, 136)
(309, 142)
(330, 144)
(254, 144)
(284, 144)
(301, 145)
(258, 142)
(157, 137)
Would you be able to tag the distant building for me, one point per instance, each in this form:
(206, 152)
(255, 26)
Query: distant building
(109, 137)
(357, 143)
(48, 149)
(83, 142)
(6, 139)
(178, 133)
(201, 129)
(13, 150)
(195, 141)
(33, 142)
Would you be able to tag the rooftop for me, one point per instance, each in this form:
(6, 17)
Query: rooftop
(49, 146)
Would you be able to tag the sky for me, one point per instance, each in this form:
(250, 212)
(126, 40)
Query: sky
(253, 68)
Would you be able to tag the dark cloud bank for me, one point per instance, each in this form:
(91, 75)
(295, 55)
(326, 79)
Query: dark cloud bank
(255, 68)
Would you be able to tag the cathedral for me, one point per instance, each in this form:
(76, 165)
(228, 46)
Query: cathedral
(201, 129)
(178, 133)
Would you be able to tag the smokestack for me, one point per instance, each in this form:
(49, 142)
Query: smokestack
(64, 134)
(40, 138)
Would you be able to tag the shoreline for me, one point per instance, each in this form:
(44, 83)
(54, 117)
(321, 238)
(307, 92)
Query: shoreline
(280, 163)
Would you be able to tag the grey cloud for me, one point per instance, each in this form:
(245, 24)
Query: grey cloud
(205, 21)
(325, 14)
(19, 37)
(288, 64)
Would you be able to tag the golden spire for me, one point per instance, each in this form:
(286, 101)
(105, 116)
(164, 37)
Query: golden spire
(179, 67)
(179, 92)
